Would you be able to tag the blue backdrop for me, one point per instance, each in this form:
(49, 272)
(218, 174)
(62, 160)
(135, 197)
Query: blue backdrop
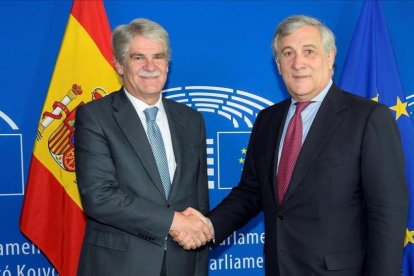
(220, 50)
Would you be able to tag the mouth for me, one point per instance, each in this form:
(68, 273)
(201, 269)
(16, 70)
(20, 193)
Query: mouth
(149, 75)
(301, 77)
(148, 78)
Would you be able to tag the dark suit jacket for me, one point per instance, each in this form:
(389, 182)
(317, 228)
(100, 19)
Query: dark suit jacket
(345, 210)
(128, 216)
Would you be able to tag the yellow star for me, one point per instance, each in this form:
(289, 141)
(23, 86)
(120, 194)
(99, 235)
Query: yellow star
(400, 108)
(243, 151)
(409, 237)
(241, 160)
(376, 98)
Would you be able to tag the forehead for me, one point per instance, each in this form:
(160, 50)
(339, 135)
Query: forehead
(144, 45)
(303, 36)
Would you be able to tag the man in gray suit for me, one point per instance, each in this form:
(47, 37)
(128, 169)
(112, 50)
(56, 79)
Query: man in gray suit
(134, 192)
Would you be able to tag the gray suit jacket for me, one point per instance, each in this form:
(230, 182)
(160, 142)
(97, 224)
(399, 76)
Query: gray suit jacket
(345, 210)
(128, 216)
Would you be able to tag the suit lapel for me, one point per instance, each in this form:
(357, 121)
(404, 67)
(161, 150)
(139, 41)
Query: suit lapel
(276, 123)
(179, 137)
(130, 124)
(326, 121)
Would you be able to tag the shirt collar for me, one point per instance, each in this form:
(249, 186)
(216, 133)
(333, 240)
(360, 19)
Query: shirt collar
(140, 105)
(320, 96)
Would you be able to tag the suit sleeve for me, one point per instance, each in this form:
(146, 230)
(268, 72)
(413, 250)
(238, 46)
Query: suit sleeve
(102, 197)
(202, 186)
(385, 192)
(202, 198)
(244, 201)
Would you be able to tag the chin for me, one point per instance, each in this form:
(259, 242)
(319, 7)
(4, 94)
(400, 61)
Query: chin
(301, 91)
(153, 90)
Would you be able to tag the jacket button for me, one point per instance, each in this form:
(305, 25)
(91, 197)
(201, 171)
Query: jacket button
(280, 217)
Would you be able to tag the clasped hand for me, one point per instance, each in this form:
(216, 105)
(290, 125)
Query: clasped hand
(191, 229)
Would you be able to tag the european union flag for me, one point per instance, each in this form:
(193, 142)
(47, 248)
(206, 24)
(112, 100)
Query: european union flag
(232, 148)
(370, 71)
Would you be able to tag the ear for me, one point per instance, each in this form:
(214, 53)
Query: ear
(278, 66)
(119, 67)
(331, 58)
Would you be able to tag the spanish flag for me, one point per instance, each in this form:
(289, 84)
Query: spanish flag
(52, 216)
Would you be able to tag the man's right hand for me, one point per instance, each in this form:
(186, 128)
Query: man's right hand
(191, 229)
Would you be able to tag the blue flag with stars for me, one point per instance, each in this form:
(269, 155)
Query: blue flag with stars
(371, 71)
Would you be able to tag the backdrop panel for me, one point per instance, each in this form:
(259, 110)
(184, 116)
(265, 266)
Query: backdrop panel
(222, 65)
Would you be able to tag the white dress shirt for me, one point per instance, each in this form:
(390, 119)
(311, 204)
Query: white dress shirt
(308, 115)
(162, 123)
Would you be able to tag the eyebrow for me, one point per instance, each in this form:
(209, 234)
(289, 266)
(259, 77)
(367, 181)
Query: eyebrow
(304, 46)
(309, 45)
(286, 47)
(139, 53)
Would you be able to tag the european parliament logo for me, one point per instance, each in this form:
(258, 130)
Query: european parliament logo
(11, 157)
(229, 115)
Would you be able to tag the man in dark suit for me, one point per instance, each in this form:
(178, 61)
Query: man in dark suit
(342, 210)
(135, 182)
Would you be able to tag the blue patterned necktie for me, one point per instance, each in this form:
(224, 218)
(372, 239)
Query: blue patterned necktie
(158, 149)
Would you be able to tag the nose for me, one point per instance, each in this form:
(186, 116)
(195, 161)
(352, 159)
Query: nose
(298, 61)
(149, 64)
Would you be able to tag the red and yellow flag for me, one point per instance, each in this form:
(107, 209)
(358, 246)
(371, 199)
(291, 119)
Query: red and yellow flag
(52, 215)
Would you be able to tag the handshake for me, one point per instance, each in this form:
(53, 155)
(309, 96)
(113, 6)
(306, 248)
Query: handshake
(190, 229)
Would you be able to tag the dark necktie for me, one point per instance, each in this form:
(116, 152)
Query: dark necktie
(158, 149)
(290, 151)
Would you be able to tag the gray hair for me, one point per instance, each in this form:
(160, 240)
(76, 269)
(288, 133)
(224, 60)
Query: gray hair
(123, 34)
(292, 23)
